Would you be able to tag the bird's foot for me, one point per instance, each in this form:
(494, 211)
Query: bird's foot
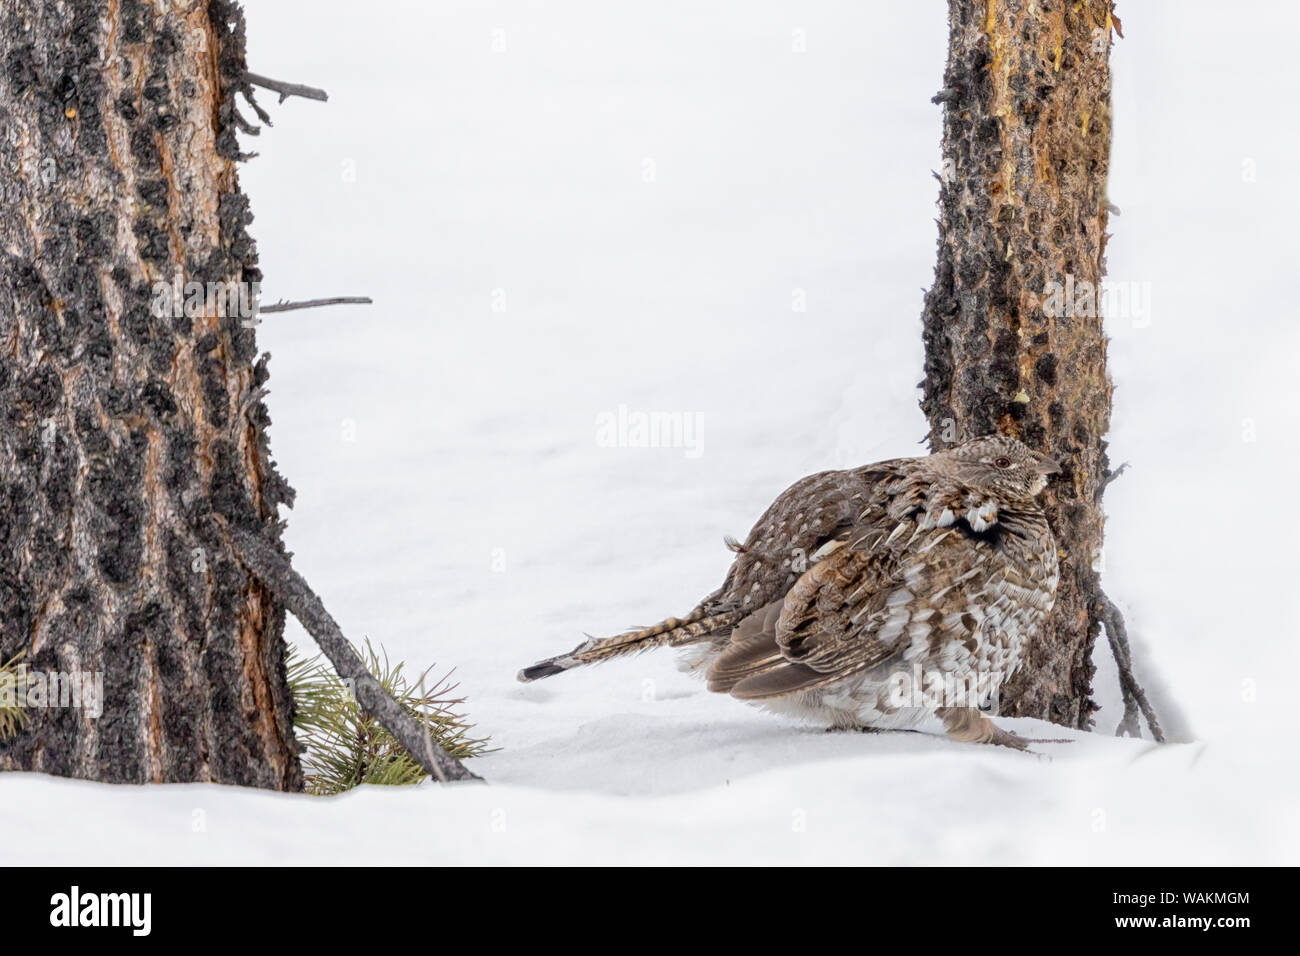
(968, 725)
(1009, 738)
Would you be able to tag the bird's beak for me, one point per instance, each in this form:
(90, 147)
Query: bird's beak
(1048, 466)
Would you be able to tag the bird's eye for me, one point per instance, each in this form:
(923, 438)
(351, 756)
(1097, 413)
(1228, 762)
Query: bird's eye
(1002, 462)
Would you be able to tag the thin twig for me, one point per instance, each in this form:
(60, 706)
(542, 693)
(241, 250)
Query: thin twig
(262, 115)
(274, 570)
(283, 306)
(1110, 476)
(244, 123)
(287, 90)
(1135, 698)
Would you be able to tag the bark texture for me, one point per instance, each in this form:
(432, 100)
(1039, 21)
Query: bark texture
(123, 430)
(1026, 147)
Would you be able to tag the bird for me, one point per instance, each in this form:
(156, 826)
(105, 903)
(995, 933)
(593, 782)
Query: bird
(875, 598)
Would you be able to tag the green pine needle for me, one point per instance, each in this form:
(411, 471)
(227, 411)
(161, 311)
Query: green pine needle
(345, 747)
(12, 692)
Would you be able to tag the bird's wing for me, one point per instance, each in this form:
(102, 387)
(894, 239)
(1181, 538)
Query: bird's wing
(866, 603)
(803, 518)
(752, 651)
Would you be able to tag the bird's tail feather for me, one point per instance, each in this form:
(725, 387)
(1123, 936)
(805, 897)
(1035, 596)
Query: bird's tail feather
(697, 626)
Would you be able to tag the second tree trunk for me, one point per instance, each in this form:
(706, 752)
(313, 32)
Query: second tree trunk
(1012, 326)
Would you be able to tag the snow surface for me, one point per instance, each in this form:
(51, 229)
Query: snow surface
(455, 505)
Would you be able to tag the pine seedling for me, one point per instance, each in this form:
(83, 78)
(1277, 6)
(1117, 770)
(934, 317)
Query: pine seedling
(345, 747)
(12, 692)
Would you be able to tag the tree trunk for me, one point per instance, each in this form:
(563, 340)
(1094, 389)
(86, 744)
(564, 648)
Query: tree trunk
(129, 420)
(1012, 325)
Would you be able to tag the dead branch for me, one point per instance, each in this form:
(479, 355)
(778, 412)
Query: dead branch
(1108, 478)
(263, 116)
(283, 306)
(1135, 698)
(273, 569)
(287, 90)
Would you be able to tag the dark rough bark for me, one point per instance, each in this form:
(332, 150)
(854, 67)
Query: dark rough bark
(124, 430)
(1026, 147)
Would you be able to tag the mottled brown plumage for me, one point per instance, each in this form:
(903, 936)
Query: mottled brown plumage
(877, 596)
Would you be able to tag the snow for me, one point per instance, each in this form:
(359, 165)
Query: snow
(620, 791)
(456, 506)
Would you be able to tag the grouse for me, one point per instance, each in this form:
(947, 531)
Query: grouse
(876, 597)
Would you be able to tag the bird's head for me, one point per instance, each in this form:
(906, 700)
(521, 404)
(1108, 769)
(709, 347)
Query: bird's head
(999, 465)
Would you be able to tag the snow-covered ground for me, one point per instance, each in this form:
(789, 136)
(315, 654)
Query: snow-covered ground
(564, 208)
